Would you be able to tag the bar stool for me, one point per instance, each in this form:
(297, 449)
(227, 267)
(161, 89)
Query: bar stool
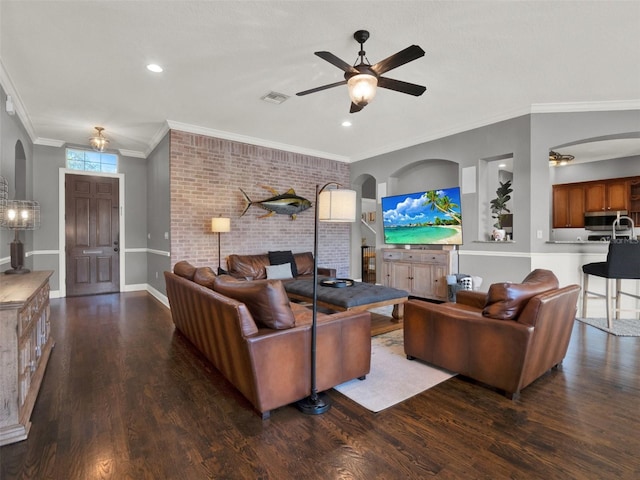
(623, 262)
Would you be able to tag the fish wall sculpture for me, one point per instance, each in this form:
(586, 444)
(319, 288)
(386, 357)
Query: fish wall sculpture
(287, 203)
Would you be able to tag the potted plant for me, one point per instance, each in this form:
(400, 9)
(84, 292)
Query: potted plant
(499, 208)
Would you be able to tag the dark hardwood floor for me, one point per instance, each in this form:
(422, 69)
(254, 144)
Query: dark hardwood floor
(125, 397)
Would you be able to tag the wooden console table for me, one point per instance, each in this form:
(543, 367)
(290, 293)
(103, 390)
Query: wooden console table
(26, 346)
(422, 273)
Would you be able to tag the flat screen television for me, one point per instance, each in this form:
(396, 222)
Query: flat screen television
(433, 217)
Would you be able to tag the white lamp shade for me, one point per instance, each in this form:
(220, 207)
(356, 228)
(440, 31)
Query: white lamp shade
(220, 224)
(337, 205)
(362, 88)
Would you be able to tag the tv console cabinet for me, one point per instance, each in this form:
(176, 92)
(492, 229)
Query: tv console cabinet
(26, 346)
(422, 273)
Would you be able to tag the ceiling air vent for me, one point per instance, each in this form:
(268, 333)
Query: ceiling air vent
(274, 97)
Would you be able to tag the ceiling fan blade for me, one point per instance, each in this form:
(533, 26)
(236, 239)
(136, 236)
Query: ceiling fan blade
(402, 87)
(403, 56)
(355, 108)
(333, 60)
(324, 87)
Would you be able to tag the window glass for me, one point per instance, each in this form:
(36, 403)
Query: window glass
(90, 161)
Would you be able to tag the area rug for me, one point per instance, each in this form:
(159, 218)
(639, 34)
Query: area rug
(393, 378)
(623, 327)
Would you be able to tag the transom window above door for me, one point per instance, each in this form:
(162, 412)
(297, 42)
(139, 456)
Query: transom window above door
(90, 161)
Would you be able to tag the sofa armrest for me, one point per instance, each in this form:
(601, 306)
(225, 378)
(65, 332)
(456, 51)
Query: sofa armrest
(471, 298)
(280, 358)
(327, 272)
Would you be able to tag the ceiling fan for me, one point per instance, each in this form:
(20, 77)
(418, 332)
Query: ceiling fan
(363, 78)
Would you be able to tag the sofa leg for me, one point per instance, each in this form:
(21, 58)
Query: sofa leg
(557, 366)
(512, 395)
(410, 357)
(362, 377)
(266, 415)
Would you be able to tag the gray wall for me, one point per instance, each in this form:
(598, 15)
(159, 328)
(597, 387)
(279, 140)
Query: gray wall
(527, 140)
(158, 215)
(47, 163)
(12, 131)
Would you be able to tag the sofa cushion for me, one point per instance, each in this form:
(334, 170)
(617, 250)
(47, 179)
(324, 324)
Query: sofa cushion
(204, 276)
(280, 257)
(249, 267)
(304, 263)
(506, 300)
(266, 300)
(184, 269)
(279, 272)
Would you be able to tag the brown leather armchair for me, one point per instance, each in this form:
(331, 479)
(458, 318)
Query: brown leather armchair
(506, 338)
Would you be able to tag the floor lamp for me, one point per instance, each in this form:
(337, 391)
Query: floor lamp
(332, 205)
(20, 215)
(220, 225)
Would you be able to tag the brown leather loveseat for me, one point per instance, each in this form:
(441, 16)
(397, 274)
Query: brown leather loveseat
(260, 341)
(506, 338)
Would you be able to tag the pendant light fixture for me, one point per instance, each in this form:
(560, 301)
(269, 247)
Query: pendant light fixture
(98, 142)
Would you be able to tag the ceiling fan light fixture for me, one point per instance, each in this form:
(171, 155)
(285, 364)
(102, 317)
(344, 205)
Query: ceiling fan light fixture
(99, 142)
(362, 88)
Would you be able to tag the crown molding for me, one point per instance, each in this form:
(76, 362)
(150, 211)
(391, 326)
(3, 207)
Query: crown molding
(210, 132)
(132, 153)
(569, 107)
(21, 111)
(157, 138)
(49, 142)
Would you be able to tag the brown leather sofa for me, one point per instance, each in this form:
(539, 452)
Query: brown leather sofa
(260, 341)
(254, 267)
(506, 338)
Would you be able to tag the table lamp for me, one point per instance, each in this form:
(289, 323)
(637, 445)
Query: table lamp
(20, 215)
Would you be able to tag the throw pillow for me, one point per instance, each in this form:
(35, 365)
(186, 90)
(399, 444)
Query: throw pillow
(184, 269)
(266, 300)
(279, 272)
(280, 257)
(204, 276)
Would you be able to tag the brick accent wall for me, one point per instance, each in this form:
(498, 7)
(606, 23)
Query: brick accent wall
(206, 175)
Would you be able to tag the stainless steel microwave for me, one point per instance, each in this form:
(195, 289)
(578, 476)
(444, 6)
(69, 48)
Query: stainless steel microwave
(599, 221)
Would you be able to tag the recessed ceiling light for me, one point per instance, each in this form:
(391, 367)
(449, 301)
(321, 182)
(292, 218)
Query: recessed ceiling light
(502, 165)
(152, 67)
(346, 123)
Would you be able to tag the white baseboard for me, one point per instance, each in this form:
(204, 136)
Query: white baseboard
(161, 297)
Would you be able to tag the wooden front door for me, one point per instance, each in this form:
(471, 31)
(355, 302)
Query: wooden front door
(92, 230)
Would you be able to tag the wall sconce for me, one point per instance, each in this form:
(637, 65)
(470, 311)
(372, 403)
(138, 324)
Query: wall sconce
(20, 215)
(98, 142)
(220, 225)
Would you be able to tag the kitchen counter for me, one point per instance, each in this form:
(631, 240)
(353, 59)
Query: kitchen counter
(579, 242)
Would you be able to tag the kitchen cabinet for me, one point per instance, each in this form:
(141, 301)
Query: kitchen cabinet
(609, 195)
(422, 273)
(568, 206)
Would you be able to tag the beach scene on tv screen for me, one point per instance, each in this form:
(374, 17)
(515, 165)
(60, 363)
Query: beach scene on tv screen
(423, 218)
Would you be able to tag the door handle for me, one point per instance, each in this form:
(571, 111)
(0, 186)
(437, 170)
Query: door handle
(89, 252)
(116, 249)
